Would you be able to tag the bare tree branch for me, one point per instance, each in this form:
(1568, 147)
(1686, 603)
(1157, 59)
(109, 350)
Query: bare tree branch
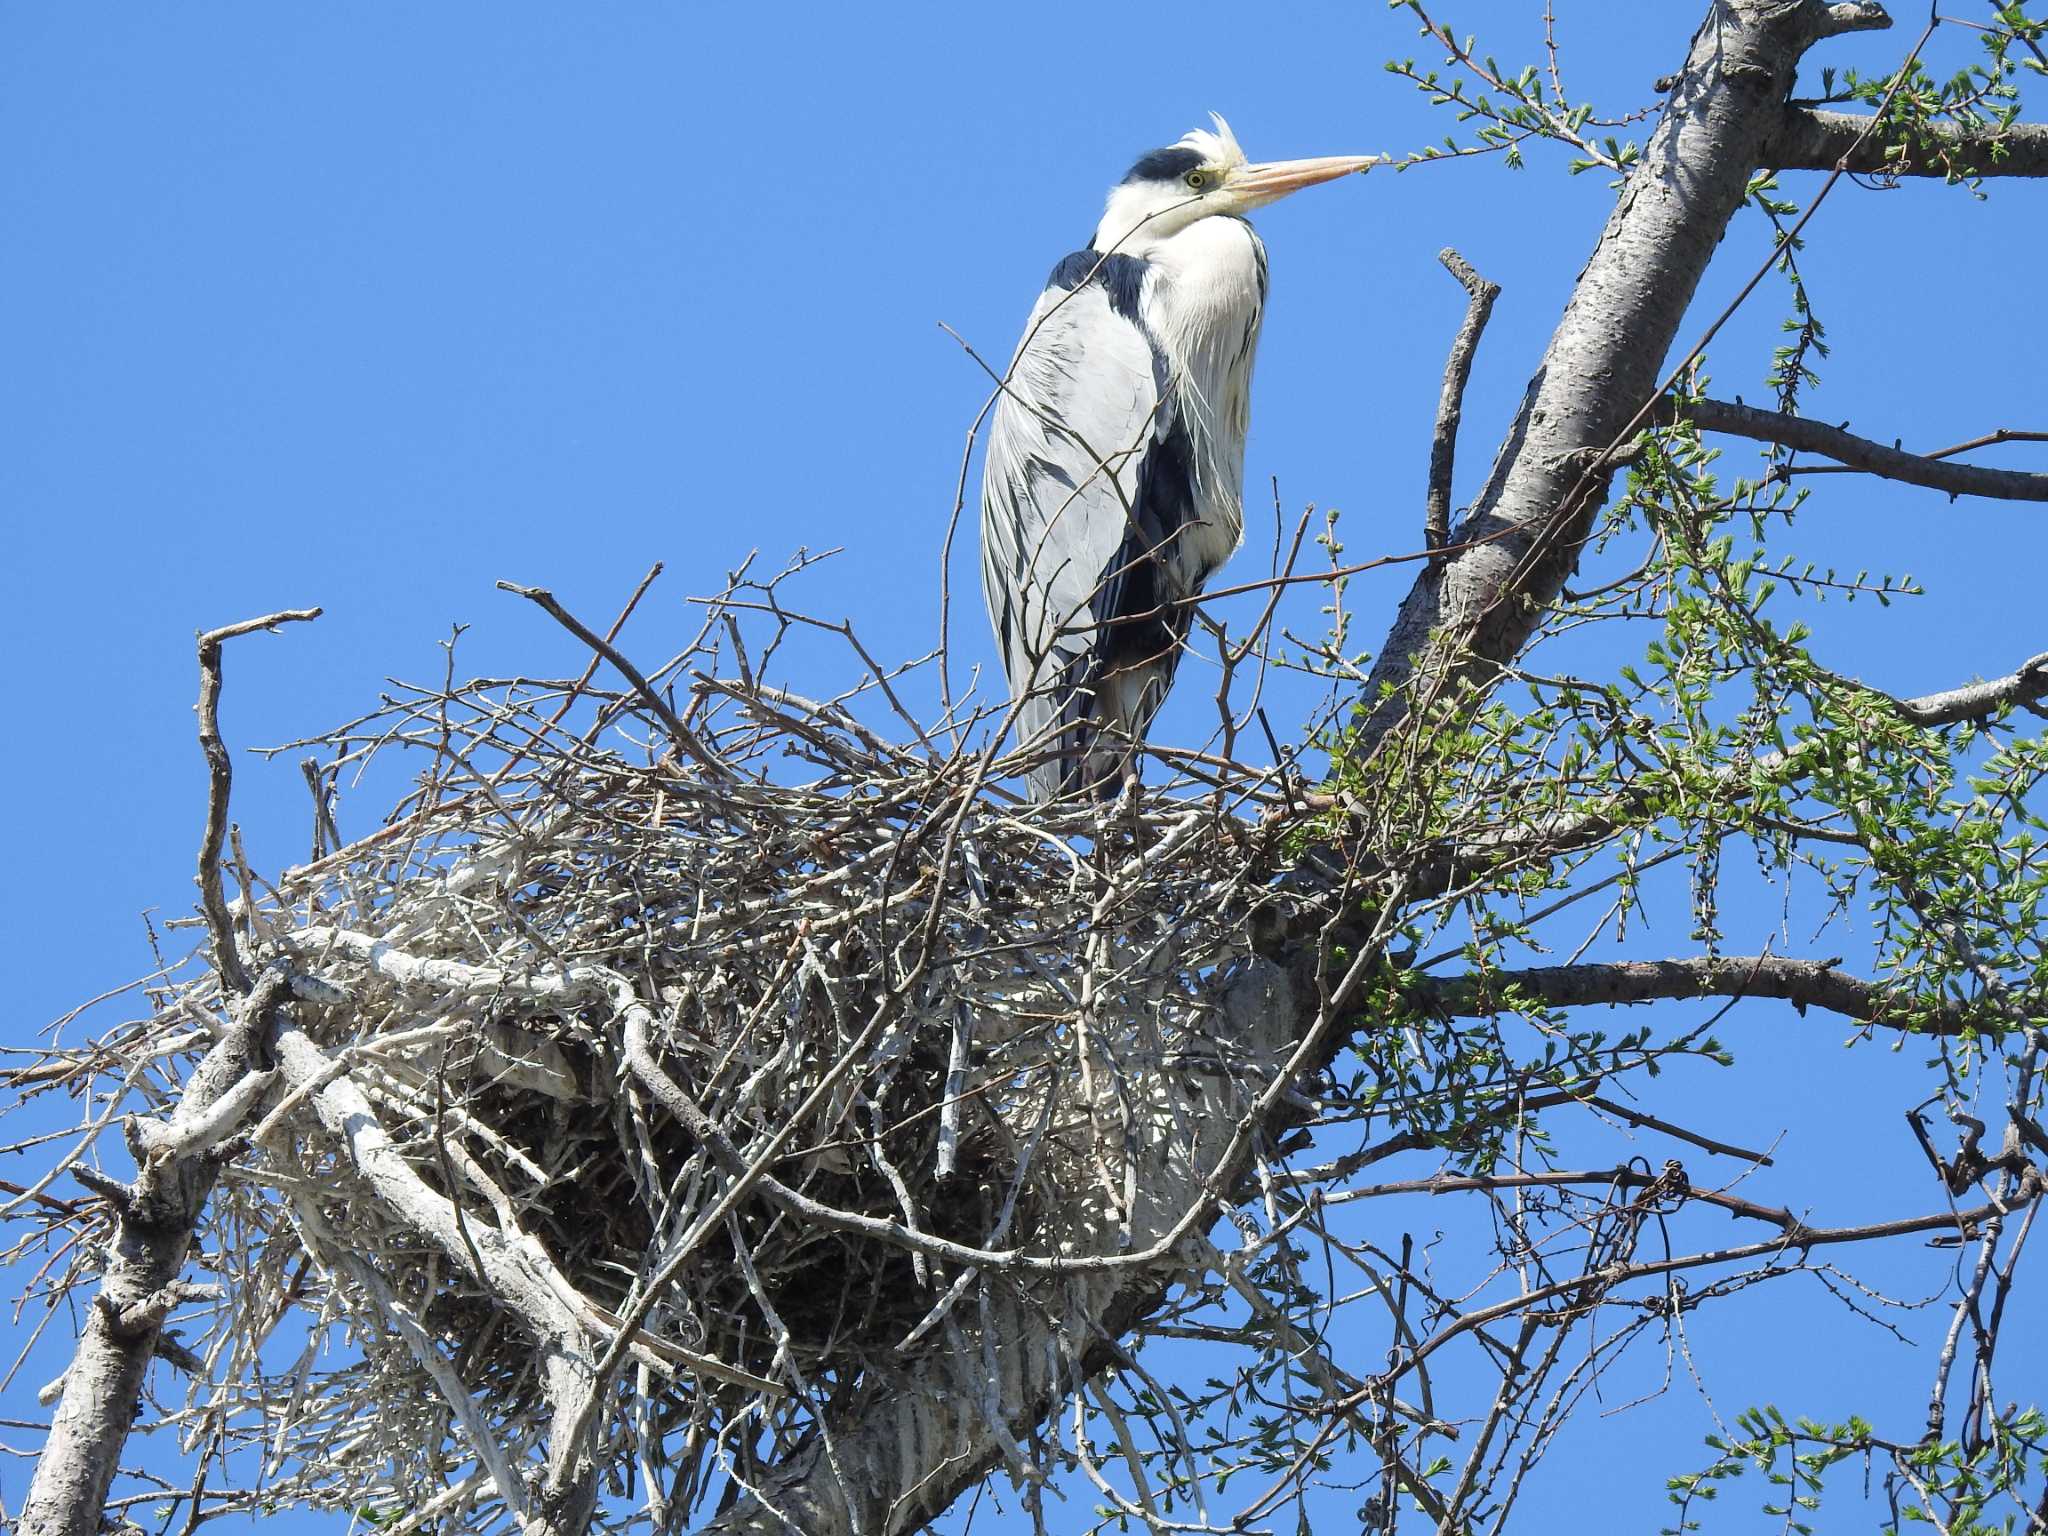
(1862, 453)
(1450, 407)
(1661, 1181)
(1797, 1238)
(2025, 684)
(220, 776)
(1803, 983)
(1810, 139)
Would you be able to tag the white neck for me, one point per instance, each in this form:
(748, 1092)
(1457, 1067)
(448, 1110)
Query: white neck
(1141, 215)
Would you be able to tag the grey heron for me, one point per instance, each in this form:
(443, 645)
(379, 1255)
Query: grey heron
(1114, 477)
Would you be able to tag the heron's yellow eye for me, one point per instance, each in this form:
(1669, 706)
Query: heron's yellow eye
(1198, 179)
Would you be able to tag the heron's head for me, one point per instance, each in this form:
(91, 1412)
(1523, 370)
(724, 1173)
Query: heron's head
(1203, 175)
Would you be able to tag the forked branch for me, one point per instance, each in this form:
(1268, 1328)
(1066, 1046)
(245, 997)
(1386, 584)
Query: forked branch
(220, 779)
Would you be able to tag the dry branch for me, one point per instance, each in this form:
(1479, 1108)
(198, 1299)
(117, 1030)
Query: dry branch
(1450, 406)
(220, 778)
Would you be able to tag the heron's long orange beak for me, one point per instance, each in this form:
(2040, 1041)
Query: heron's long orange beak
(1263, 183)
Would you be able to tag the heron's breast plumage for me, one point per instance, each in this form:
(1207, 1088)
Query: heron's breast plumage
(1203, 299)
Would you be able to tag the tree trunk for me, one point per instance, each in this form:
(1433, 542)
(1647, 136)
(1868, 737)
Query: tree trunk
(1606, 359)
(153, 1225)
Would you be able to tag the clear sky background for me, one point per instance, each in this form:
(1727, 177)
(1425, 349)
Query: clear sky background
(371, 306)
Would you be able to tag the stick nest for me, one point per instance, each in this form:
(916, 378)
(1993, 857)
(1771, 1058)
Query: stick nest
(886, 989)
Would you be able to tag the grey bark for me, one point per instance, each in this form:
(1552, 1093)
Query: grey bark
(2026, 685)
(1808, 140)
(1803, 983)
(1603, 366)
(1876, 458)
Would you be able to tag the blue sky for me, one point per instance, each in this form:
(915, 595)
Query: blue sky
(373, 306)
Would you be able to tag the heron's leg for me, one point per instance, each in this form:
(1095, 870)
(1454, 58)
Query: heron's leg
(1122, 821)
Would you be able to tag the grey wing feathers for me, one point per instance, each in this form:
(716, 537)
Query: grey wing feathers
(1065, 458)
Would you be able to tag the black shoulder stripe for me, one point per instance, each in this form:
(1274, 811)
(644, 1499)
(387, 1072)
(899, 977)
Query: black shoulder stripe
(1121, 277)
(1138, 627)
